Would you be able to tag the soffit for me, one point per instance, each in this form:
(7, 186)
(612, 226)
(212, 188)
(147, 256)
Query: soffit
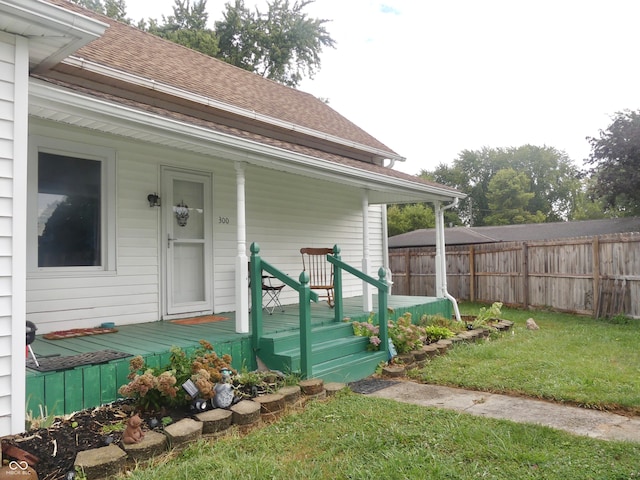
(153, 124)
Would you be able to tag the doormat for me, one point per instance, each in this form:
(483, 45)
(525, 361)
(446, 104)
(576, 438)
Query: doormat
(199, 320)
(65, 363)
(370, 385)
(77, 332)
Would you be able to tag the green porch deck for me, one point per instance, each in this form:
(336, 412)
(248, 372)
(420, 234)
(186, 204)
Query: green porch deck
(88, 386)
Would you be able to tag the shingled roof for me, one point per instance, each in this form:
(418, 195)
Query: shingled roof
(140, 70)
(128, 49)
(512, 233)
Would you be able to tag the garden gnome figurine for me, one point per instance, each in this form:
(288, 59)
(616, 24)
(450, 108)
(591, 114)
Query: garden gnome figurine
(133, 432)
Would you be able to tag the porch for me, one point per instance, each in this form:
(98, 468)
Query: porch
(74, 389)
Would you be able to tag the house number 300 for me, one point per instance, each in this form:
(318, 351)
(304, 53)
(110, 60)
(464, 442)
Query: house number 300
(224, 220)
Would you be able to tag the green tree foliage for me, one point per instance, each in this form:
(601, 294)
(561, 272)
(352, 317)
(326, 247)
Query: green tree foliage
(187, 26)
(615, 160)
(508, 197)
(283, 44)
(116, 9)
(552, 179)
(407, 218)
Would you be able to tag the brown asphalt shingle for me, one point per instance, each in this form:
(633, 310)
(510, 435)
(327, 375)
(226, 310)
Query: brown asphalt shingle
(136, 52)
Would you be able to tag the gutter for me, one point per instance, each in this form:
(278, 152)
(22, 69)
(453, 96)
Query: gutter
(441, 254)
(167, 89)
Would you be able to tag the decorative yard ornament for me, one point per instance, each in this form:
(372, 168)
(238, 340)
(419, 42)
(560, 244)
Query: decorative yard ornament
(182, 213)
(224, 395)
(133, 432)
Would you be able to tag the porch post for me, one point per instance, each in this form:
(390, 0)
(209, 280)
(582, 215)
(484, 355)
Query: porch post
(439, 250)
(242, 271)
(385, 247)
(367, 294)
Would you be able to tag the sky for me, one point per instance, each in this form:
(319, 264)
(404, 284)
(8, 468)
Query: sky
(431, 78)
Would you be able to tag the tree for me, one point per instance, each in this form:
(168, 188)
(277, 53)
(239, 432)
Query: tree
(552, 178)
(407, 218)
(282, 44)
(187, 26)
(615, 157)
(116, 9)
(508, 197)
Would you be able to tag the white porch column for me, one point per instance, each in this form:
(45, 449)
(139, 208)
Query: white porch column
(385, 247)
(439, 249)
(242, 271)
(367, 295)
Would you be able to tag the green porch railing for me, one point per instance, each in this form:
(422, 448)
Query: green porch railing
(381, 284)
(256, 266)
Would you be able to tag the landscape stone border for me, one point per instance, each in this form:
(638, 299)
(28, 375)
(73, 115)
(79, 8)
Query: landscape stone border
(419, 358)
(105, 462)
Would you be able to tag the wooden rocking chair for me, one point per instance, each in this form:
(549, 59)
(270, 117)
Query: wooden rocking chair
(315, 263)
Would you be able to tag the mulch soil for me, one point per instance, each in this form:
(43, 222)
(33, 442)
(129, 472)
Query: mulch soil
(55, 447)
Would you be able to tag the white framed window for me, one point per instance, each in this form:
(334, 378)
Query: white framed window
(71, 224)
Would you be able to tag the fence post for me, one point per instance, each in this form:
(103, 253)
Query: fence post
(305, 325)
(595, 294)
(472, 274)
(255, 280)
(337, 287)
(525, 275)
(383, 332)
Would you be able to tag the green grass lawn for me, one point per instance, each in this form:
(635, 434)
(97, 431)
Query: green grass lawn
(570, 359)
(359, 437)
(575, 359)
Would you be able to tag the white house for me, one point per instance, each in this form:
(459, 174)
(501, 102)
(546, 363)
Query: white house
(97, 119)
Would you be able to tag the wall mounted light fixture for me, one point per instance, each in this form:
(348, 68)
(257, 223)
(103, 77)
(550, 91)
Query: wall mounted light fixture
(153, 199)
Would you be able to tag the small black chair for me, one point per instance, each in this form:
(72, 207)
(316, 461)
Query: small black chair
(270, 293)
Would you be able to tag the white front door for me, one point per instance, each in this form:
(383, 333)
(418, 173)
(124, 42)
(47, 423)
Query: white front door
(186, 230)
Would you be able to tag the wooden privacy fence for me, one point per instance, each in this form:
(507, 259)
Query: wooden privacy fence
(597, 275)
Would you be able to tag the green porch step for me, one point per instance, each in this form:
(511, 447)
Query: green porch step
(290, 339)
(351, 368)
(336, 353)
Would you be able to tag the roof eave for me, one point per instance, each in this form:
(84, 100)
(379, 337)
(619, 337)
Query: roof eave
(55, 103)
(164, 88)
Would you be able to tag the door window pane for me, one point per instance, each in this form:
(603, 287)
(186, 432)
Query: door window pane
(69, 211)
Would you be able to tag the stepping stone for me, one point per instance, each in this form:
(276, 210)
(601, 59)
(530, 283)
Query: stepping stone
(313, 386)
(291, 394)
(419, 355)
(214, 421)
(334, 387)
(271, 403)
(246, 412)
(431, 350)
(104, 462)
(393, 370)
(443, 345)
(184, 431)
(318, 396)
(153, 443)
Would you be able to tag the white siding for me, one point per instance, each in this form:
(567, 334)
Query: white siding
(13, 128)
(7, 55)
(284, 213)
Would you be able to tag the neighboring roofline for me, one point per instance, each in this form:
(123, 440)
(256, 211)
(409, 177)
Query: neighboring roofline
(53, 102)
(80, 29)
(164, 88)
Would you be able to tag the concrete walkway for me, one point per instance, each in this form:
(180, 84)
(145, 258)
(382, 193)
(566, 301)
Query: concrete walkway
(579, 421)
